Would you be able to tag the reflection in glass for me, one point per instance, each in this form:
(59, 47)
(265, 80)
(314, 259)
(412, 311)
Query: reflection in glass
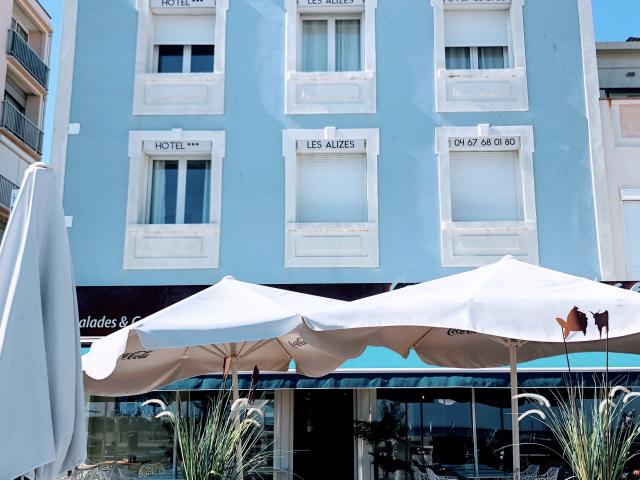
(314, 46)
(202, 58)
(197, 192)
(170, 58)
(490, 57)
(348, 45)
(493, 430)
(164, 192)
(458, 58)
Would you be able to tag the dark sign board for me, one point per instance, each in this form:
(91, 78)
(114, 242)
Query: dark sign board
(104, 310)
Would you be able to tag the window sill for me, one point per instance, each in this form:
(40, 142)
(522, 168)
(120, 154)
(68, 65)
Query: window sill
(330, 92)
(482, 90)
(171, 247)
(179, 94)
(473, 244)
(317, 245)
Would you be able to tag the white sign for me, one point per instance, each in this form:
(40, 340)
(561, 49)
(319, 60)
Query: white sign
(476, 2)
(176, 4)
(180, 147)
(484, 143)
(330, 3)
(337, 146)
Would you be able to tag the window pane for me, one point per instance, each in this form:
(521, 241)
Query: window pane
(202, 58)
(314, 46)
(490, 57)
(332, 188)
(197, 197)
(632, 237)
(458, 58)
(348, 46)
(170, 58)
(126, 440)
(164, 192)
(493, 427)
(484, 186)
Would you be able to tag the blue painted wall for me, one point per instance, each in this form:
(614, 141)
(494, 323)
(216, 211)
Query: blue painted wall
(252, 228)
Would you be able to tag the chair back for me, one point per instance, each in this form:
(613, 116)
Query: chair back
(552, 473)
(417, 474)
(431, 475)
(531, 470)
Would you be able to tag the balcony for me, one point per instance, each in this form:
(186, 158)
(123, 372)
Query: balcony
(20, 126)
(28, 58)
(6, 187)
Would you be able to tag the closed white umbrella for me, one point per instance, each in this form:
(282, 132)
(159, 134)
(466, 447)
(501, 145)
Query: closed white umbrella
(42, 427)
(246, 324)
(495, 315)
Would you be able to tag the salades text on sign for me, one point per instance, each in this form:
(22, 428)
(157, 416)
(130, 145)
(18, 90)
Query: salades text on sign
(330, 3)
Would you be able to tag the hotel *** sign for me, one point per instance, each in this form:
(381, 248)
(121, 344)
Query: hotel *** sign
(179, 147)
(175, 4)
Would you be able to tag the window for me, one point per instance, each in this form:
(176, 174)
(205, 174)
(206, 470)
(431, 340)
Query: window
(487, 194)
(484, 187)
(476, 39)
(331, 198)
(330, 48)
(173, 212)
(331, 45)
(479, 56)
(631, 219)
(180, 192)
(22, 33)
(180, 59)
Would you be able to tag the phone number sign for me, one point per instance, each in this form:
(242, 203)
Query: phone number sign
(483, 143)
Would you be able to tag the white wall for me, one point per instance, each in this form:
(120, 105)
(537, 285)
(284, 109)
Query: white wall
(622, 153)
(12, 162)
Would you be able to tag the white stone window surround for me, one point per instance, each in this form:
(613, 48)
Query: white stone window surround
(473, 244)
(178, 246)
(628, 195)
(482, 90)
(617, 106)
(330, 92)
(178, 93)
(331, 244)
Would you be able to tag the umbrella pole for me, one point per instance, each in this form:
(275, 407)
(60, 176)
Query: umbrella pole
(515, 427)
(234, 372)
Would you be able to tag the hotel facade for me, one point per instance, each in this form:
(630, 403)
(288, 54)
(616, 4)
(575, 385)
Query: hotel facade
(336, 147)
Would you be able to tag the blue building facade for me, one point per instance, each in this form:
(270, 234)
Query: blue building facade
(335, 147)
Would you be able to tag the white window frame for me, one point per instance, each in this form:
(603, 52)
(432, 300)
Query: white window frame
(177, 93)
(330, 92)
(330, 244)
(627, 195)
(473, 244)
(174, 246)
(482, 90)
(616, 107)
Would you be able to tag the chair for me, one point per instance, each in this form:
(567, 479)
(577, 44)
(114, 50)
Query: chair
(551, 474)
(150, 469)
(432, 476)
(530, 473)
(417, 474)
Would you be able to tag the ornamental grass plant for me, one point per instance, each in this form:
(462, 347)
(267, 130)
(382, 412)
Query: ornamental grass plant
(595, 436)
(224, 443)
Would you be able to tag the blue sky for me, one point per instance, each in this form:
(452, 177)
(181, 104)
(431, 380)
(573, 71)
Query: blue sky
(615, 20)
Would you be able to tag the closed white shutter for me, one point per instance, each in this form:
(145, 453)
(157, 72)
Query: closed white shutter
(184, 29)
(632, 237)
(332, 188)
(484, 187)
(476, 28)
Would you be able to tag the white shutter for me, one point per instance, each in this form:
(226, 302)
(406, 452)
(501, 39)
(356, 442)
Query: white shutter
(484, 186)
(332, 188)
(476, 28)
(184, 29)
(632, 237)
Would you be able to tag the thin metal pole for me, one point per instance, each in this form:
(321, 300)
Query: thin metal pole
(175, 437)
(515, 427)
(474, 424)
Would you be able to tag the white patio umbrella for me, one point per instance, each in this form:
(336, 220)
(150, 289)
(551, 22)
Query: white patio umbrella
(488, 317)
(246, 324)
(42, 426)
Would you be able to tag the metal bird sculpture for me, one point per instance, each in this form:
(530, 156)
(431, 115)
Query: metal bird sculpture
(602, 321)
(576, 322)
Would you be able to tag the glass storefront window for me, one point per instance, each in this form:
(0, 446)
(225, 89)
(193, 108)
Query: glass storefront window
(124, 437)
(493, 431)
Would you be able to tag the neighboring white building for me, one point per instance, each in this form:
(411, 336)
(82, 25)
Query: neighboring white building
(25, 43)
(619, 70)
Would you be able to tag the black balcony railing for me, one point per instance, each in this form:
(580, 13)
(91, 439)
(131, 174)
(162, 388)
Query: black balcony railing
(23, 128)
(6, 187)
(28, 58)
